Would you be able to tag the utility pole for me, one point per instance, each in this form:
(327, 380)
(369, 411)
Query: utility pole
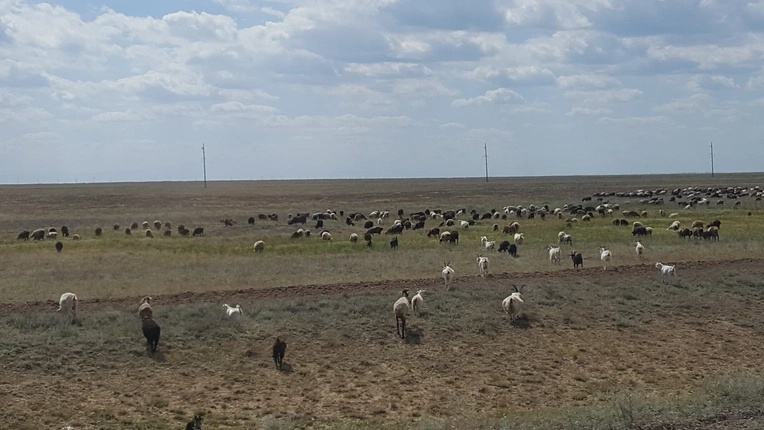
(204, 163)
(712, 159)
(485, 148)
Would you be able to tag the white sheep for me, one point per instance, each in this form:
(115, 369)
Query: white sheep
(149, 233)
(640, 249)
(519, 238)
(231, 311)
(326, 235)
(482, 263)
(674, 226)
(52, 235)
(513, 303)
(605, 256)
(465, 225)
(259, 246)
(401, 308)
(673, 214)
(666, 270)
(68, 302)
(144, 310)
(554, 254)
(353, 237)
(447, 273)
(416, 302)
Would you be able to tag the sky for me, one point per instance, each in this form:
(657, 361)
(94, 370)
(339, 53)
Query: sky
(113, 91)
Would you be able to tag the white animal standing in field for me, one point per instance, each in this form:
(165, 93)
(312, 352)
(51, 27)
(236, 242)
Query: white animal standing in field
(640, 249)
(554, 254)
(68, 302)
(353, 237)
(447, 273)
(674, 226)
(401, 308)
(259, 246)
(482, 263)
(326, 235)
(231, 311)
(606, 256)
(519, 238)
(489, 245)
(416, 302)
(666, 270)
(513, 302)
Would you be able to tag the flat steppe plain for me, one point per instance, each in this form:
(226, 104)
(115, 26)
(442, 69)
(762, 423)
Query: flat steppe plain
(594, 348)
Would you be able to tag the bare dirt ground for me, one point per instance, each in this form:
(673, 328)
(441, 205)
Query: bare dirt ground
(357, 369)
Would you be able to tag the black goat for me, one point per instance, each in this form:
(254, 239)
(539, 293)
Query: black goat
(578, 260)
(394, 243)
(151, 331)
(279, 349)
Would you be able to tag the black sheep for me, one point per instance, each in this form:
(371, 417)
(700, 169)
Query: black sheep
(65, 231)
(199, 231)
(59, 246)
(24, 235)
(279, 349)
(151, 331)
(510, 248)
(251, 220)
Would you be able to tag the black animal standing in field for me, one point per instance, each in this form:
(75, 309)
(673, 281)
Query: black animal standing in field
(59, 246)
(195, 424)
(394, 243)
(578, 260)
(151, 331)
(279, 349)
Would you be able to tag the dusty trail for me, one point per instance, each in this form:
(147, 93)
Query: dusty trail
(685, 270)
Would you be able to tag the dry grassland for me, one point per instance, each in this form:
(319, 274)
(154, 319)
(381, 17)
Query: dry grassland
(594, 349)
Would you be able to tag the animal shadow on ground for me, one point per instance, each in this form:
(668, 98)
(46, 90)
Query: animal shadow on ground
(157, 356)
(286, 368)
(522, 322)
(413, 336)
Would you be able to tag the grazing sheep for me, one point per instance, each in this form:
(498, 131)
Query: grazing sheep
(151, 331)
(605, 256)
(464, 224)
(509, 248)
(198, 231)
(326, 235)
(195, 424)
(59, 246)
(231, 311)
(149, 233)
(134, 226)
(445, 236)
(353, 237)
(554, 254)
(279, 349)
(251, 220)
(24, 235)
(513, 302)
(519, 238)
(401, 308)
(68, 302)
(259, 246)
(98, 231)
(447, 273)
(157, 224)
(676, 225)
(416, 302)
(128, 232)
(394, 243)
(115, 227)
(168, 225)
(144, 308)
(64, 231)
(673, 214)
(168, 233)
(38, 234)
(52, 235)
(482, 263)
(666, 270)
(578, 259)
(145, 224)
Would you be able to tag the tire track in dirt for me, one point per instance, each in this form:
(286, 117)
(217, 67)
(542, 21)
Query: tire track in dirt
(350, 288)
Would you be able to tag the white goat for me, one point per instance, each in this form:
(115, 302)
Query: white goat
(447, 273)
(489, 245)
(482, 263)
(401, 308)
(68, 302)
(231, 311)
(666, 270)
(416, 302)
(640, 249)
(605, 256)
(513, 303)
(554, 254)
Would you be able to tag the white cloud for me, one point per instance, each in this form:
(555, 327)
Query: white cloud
(497, 96)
